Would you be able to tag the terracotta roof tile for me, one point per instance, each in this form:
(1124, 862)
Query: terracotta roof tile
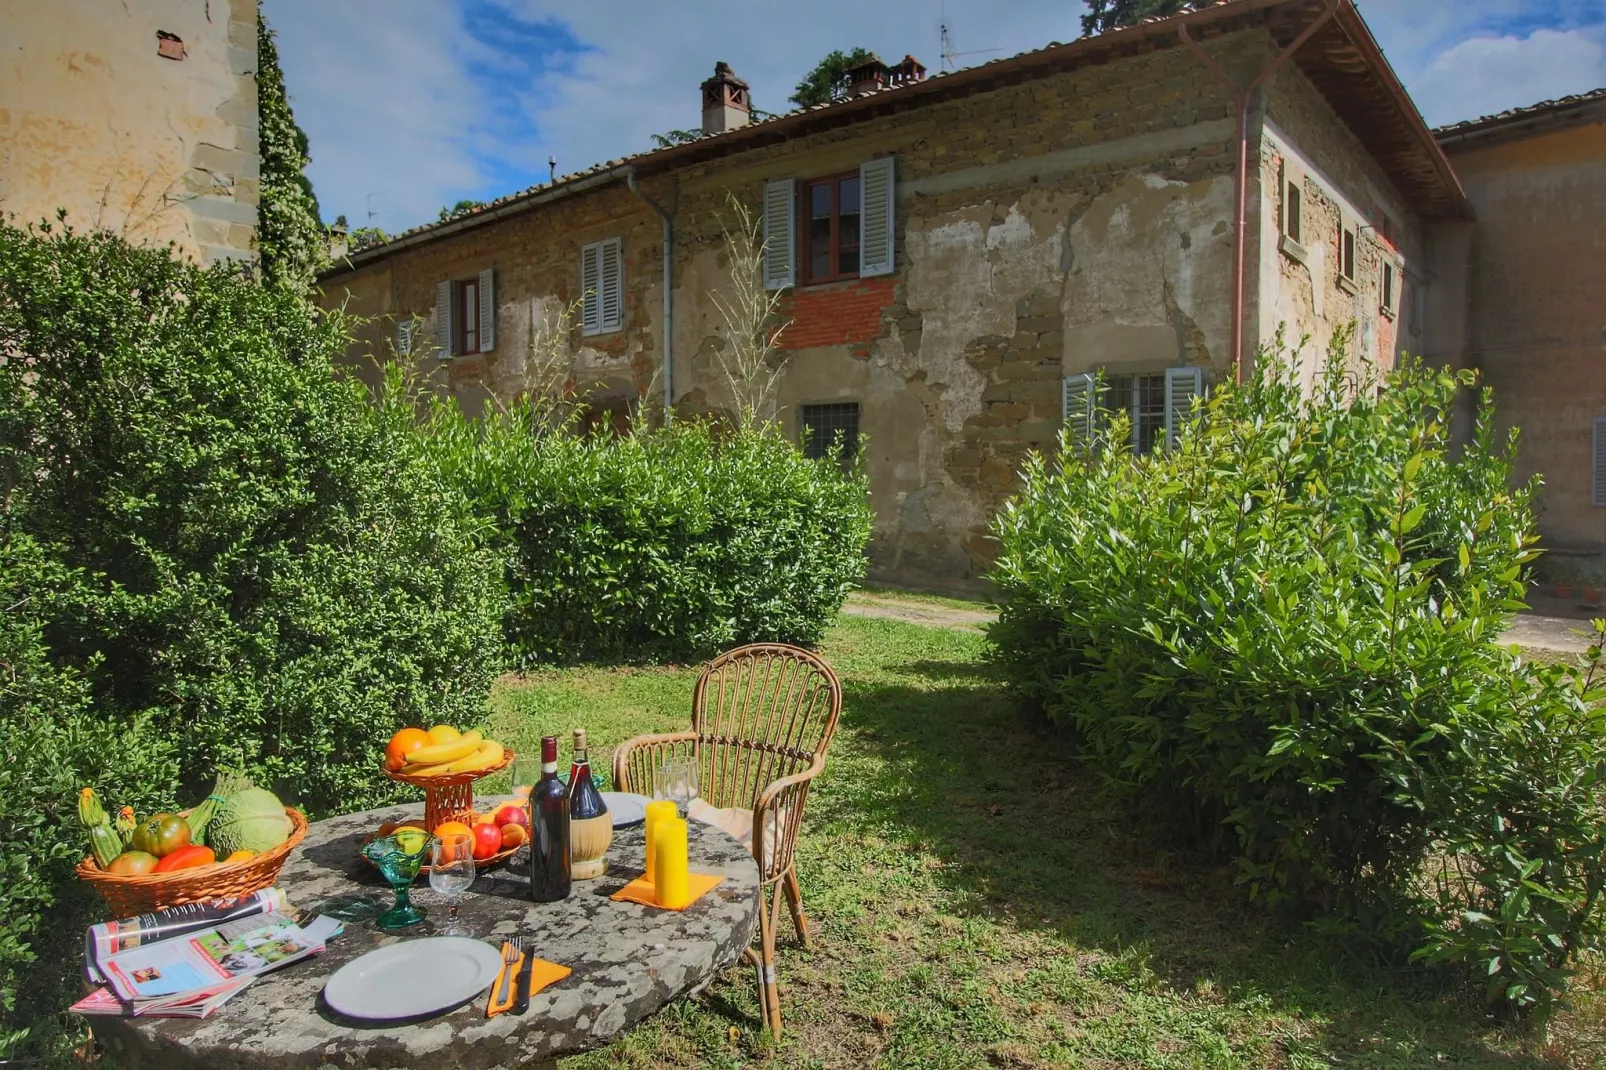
(1511, 115)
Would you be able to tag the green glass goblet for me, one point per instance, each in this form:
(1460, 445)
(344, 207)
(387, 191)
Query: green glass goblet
(398, 859)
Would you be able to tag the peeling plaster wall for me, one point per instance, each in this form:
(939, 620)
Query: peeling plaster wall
(93, 120)
(1299, 290)
(1076, 222)
(1536, 259)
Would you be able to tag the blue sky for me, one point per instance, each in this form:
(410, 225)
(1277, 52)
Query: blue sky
(413, 104)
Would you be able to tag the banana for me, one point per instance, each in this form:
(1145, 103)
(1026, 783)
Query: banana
(488, 754)
(445, 753)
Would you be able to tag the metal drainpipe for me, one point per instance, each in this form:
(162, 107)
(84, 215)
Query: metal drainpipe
(1245, 96)
(669, 303)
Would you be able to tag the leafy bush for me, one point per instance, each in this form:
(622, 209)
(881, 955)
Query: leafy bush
(211, 551)
(1284, 631)
(660, 545)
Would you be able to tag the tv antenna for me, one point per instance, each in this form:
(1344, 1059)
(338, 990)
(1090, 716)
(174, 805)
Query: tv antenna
(946, 44)
(369, 201)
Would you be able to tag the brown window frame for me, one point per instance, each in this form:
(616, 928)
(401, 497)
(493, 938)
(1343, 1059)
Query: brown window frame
(467, 295)
(805, 208)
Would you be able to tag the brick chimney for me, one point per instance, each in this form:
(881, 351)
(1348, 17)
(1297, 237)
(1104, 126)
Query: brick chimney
(724, 101)
(868, 76)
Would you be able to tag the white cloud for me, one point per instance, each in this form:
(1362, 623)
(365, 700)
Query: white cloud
(383, 98)
(400, 99)
(1484, 75)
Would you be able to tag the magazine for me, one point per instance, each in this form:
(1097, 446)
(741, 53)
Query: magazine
(173, 973)
(108, 938)
(196, 1005)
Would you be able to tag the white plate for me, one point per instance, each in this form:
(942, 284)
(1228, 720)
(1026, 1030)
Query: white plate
(626, 808)
(413, 978)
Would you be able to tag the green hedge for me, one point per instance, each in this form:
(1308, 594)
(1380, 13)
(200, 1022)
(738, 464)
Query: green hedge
(1283, 634)
(662, 545)
(211, 551)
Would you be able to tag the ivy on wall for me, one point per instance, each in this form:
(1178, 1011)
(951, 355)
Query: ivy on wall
(290, 236)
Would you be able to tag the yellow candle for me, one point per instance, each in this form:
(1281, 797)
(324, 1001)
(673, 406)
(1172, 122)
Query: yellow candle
(669, 863)
(656, 812)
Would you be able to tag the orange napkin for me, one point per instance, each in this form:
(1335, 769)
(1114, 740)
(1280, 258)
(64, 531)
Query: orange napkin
(542, 974)
(639, 891)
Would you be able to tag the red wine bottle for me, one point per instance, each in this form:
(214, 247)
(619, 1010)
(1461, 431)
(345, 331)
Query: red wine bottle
(549, 830)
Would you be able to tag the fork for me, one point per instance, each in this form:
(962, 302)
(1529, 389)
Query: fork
(512, 951)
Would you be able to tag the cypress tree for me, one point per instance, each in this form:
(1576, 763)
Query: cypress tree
(291, 242)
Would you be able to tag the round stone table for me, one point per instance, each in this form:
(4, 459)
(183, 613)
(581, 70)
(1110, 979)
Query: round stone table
(628, 961)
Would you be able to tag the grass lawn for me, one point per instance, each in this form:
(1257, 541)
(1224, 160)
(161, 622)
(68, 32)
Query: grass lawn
(978, 904)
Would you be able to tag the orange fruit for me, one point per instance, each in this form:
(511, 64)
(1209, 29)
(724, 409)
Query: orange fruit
(513, 835)
(447, 828)
(402, 744)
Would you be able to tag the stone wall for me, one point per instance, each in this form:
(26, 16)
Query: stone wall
(1537, 329)
(1076, 222)
(1300, 290)
(94, 119)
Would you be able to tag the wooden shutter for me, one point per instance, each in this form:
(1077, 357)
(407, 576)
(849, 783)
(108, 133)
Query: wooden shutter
(878, 192)
(1182, 385)
(591, 289)
(1597, 473)
(404, 337)
(1079, 392)
(445, 317)
(487, 310)
(613, 285)
(780, 245)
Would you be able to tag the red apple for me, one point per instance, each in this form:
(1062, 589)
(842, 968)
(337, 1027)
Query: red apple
(487, 840)
(511, 814)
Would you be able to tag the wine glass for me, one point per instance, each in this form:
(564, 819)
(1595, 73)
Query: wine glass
(677, 782)
(526, 773)
(451, 873)
(398, 858)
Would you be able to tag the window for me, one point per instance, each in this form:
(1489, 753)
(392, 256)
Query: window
(465, 316)
(468, 316)
(1155, 403)
(829, 242)
(602, 286)
(1597, 474)
(838, 227)
(1143, 398)
(830, 429)
(1387, 295)
(1293, 209)
(1346, 254)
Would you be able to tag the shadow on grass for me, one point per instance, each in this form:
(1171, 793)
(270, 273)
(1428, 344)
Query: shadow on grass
(1027, 838)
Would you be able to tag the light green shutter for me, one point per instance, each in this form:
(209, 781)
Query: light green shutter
(878, 193)
(1182, 385)
(780, 256)
(487, 310)
(1078, 394)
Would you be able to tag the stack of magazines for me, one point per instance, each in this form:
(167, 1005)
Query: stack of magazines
(186, 962)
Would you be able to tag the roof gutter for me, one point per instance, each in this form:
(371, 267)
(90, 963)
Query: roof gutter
(512, 207)
(669, 292)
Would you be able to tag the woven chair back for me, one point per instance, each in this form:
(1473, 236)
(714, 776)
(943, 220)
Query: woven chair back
(761, 712)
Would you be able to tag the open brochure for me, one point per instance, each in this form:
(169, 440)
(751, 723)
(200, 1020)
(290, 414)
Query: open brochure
(195, 973)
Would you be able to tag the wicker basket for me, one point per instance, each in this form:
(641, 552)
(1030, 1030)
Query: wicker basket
(449, 796)
(130, 895)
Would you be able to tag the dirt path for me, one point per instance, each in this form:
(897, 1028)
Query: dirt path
(1532, 631)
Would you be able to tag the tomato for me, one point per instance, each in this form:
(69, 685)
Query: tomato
(402, 744)
(161, 834)
(186, 857)
(132, 863)
(487, 840)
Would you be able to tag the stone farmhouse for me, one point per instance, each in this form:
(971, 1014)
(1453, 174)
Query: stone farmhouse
(959, 254)
(135, 118)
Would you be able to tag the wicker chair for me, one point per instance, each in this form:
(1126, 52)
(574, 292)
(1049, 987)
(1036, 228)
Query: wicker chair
(761, 719)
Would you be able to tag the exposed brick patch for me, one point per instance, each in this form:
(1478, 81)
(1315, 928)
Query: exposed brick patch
(839, 313)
